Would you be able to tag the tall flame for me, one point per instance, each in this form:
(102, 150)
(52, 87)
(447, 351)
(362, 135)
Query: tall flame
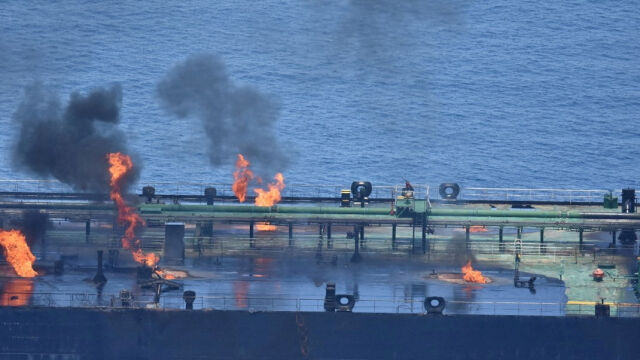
(119, 166)
(269, 198)
(241, 178)
(471, 275)
(17, 253)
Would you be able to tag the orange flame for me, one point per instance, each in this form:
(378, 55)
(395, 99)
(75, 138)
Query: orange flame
(16, 292)
(241, 178)
(17, 253)
(477, 228)
(265, 226)
(165, 275)
(268, 198)
(120, 164)
(473, 276)
(240, 292)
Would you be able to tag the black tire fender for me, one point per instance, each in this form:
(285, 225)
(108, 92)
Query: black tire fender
(455, 191)
(358, 184)
(434, 304)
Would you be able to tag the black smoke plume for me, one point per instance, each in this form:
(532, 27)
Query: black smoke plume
(235, 119)
(70, 143)
(34, 225)
(457, 249)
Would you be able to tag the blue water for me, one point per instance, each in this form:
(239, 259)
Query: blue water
(485, 93)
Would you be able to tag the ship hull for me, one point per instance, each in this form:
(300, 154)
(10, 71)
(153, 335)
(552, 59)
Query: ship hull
(91, 333)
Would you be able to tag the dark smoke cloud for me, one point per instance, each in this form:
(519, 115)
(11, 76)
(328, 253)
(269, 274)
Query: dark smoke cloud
(34, 225)
(236, 119)
(457, 249)
(70, 143)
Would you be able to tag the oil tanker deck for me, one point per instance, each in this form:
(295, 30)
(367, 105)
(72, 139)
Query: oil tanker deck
(380, 272)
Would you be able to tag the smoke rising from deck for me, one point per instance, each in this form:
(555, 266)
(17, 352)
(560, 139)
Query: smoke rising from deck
(236, 119)
(457, 249)
(34, 225)
(70, 142)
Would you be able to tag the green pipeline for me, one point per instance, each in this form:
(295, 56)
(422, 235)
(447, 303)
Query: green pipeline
(506, 213)
(433, 212)
(250, 209)
(318, 210)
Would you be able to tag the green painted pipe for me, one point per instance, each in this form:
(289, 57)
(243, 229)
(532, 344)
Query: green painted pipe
(265, 209)
(356, 211)
(318, 210)
(504, 213)
(281, 216)
(206, 208)
(433, 212)
(331, 210)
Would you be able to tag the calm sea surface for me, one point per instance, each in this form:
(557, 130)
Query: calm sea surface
(485, 93)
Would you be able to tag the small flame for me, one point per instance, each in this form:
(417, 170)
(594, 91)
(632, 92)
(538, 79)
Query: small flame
(477, 228)
(271, 197)
(473, 276)
(119, 165)
(241, 178)
(265, 226)
(240, 292)
(165, 274)
(17, 253)
(149, 259)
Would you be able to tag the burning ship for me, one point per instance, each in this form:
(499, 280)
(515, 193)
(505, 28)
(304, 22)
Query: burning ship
(376, 272)
(263, 269)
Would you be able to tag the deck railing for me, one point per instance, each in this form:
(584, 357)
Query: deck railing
(333, 190)
(266, 303)
(523, 194)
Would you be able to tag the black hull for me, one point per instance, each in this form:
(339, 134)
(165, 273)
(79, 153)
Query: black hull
(89, 333)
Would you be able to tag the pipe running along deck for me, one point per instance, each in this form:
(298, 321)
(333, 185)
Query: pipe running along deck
(305, 214)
